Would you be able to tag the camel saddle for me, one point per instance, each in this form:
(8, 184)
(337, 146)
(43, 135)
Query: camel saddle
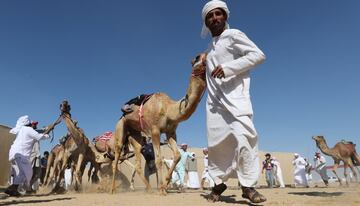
(139, 100)
(100, 141)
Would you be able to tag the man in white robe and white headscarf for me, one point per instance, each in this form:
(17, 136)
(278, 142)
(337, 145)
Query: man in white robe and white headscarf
(299, 171)
(19, 153)
(232, 138)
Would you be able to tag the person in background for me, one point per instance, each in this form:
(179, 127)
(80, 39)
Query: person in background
(35, 163)
(20, 151)
(68, 176)
(148, 152)
(232, 137)
(278, 172)
(43, 165)
(299, 171)
(193, 176)
(178, 175)
(308, 168)
(268, 166)
(205, 175)
(320, 167)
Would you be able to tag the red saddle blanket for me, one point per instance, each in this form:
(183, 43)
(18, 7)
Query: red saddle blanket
(104, 137)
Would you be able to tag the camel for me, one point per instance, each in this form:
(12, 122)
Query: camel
(53, 164)
(103, 147)
(160, 114)
(76, 148)
(340, 152)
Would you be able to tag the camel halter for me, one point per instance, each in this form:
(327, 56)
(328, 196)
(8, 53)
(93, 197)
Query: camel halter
(141, 112)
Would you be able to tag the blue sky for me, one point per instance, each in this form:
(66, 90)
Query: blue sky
(99, 54)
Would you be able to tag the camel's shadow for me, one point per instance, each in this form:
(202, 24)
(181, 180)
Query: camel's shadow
(16, 202)
(317, 194)
(230, 199)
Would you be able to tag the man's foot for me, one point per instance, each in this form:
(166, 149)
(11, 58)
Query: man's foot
(12, 191)
(216, 191)
(251, 194)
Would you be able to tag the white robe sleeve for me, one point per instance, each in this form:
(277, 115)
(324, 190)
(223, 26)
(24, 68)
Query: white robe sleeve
(37, 136)
(250, 55)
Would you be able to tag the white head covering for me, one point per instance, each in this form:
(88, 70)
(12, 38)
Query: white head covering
(22, 121)
(296, 155)
(207, 8)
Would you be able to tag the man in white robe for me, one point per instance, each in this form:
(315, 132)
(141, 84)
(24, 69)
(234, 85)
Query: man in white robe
(19, 153)
(299, 171)
(278, 172)
(232, 138)
(320, 167)
(205, 175)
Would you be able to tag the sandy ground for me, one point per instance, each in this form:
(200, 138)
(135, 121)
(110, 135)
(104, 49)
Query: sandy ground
(333, 195)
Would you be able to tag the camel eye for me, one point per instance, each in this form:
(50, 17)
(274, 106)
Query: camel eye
(197, 58)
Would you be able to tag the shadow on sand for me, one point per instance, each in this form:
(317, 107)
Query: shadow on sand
(19, 201)
(230, 199)
(317, 194)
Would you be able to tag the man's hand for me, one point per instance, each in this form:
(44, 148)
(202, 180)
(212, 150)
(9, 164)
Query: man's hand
(218, 72)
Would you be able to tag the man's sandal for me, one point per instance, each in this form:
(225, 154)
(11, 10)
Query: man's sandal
(216, 191)
(254, 196)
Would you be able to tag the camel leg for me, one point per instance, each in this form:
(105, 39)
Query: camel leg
(119, 136)
(354, 172)
(139, 171)
(114, 169)
(78, 174)
(158, 161)
(345, 173)
(53, 172)
(336, 165)
(132, 180)
(49, 166)
(90, 172)
(176, 153)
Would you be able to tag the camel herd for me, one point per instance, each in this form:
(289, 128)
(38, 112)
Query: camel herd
(160, 114)
(157, 114)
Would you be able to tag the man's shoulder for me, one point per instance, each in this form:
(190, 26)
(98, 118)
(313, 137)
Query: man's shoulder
(228, 32)
(28, 129)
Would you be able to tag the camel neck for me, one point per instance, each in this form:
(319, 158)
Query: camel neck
(74, 131)
(187, 105)
(324, 148)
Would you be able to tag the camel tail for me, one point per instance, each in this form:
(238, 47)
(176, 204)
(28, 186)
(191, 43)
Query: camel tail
(355, 159)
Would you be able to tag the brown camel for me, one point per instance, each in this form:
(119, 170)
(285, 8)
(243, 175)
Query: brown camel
(340, 152)
(160, 114)
(76, 148)
(104, 150)
(53, 163)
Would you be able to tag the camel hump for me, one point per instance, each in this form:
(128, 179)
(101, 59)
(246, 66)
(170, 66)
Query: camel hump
(347, 142)
(139, 100)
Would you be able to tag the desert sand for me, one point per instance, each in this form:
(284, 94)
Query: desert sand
(333, 195)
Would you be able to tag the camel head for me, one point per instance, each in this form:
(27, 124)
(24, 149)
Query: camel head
(199, 66)
(318, 139)
(65, 107)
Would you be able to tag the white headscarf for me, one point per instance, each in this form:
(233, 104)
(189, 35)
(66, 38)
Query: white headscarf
(207, 8)
(22, 121)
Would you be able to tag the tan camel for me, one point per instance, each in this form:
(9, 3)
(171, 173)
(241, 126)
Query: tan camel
(76, 148)
(105, 151)
(160, 114)
(340, 152)
(53, 163)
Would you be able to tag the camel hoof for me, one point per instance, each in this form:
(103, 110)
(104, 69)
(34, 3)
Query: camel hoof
(162, 190)
(149, 190)
(132, 188)
(112, 191)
